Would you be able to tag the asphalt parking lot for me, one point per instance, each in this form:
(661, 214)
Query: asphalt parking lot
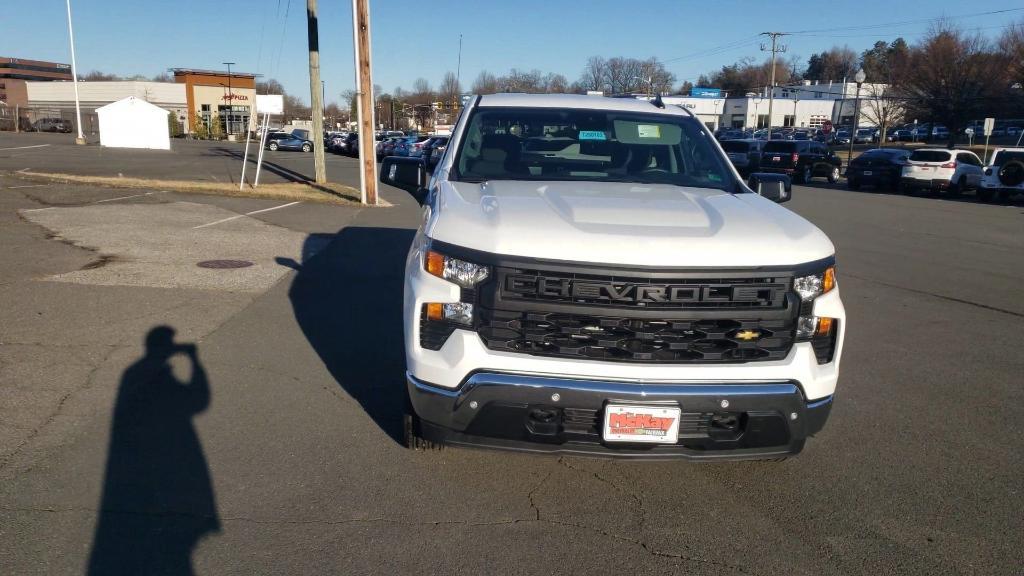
(280, 453)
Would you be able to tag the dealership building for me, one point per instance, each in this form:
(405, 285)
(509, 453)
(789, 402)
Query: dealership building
(195, 96)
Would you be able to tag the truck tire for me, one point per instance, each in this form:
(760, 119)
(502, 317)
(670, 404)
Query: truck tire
(806, 174)
(833, 176)
(411, 432)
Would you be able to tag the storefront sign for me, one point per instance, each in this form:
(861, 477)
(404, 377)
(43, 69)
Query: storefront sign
(240, 97)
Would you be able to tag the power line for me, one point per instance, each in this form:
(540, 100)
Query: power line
(905, 22)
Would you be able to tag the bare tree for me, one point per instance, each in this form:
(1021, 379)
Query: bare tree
(595, 74)
(269, 86)
(485, 83)
(450, 89)
(555, 84)
(952, 77)
(883, 106)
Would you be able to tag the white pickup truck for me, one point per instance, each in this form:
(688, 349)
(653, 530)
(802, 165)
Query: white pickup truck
(592, 276)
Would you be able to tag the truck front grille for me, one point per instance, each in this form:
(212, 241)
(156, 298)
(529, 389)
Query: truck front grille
(626, 339)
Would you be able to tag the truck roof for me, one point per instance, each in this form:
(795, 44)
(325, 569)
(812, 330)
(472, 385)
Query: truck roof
(578, 101)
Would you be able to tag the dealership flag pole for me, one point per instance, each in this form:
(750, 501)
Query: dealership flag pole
(74, 79)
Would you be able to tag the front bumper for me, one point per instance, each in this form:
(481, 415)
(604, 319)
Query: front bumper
(735, 421)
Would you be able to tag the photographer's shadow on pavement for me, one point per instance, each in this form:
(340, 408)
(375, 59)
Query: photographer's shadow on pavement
(347, 299)
(158, 500)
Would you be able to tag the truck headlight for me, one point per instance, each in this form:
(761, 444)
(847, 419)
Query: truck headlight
(465, 274)
(814, 285)
(819, 331)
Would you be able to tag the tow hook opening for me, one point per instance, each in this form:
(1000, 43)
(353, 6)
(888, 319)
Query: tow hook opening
(544, 421)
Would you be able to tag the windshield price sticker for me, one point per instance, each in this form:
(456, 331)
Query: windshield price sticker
(648, 130)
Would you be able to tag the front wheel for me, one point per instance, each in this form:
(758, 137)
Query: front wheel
(272, 146)
(411, 434)
(833, 176)
(306, 147)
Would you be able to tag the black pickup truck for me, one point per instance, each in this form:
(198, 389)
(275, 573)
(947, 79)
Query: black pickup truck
(801, 159)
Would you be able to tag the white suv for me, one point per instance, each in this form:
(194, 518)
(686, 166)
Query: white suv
(592, 276)
(1004, 175)
(953, 171)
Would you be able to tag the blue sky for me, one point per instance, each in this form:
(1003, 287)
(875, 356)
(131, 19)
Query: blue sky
(414, 39)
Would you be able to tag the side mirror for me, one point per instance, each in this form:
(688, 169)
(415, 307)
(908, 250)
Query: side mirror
(409, 174)
(775, 187)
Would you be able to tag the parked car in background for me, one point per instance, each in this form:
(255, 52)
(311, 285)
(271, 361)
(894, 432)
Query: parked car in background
(387, 147)
(434, 148)
(841, 137)
(745, 155)
(349, 144)
(406, 146)
(802, 160)
(879, 167)
(51, 125)
(940, 132)
(939, 169)
(290, 142)
(864, 136)
(1004, 175)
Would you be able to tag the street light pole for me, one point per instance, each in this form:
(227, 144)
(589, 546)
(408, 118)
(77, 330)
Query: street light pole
(74, 79)
(859, 78)
(231, 101)
(795, 100)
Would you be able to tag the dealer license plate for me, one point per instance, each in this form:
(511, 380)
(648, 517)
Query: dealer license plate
(867, 172)
(647, 424)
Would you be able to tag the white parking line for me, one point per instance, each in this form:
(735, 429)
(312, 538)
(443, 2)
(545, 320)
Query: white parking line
(38, 209)
(26, 147)
(127, 197)
(235, 217)
(23, 170)
(26, 186)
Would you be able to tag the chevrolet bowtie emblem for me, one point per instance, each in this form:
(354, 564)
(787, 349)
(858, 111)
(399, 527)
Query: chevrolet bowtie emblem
(748, 335)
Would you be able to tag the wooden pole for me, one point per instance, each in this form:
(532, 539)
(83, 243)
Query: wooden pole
(316, 102)
(364, 100)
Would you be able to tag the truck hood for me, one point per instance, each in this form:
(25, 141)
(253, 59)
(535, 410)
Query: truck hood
(623, 224)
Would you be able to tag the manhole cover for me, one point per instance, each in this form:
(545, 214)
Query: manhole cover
(224, 264)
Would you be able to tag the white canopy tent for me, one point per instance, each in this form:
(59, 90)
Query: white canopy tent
(133, 123)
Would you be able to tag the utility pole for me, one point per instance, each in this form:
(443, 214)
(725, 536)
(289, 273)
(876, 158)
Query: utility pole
(775, 49)
(364, 100)
(316, 103)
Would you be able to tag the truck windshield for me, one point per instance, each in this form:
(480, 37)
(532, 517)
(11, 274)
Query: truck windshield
(589, 145)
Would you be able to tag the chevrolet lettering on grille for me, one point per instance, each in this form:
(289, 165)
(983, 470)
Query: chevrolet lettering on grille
(543, 288)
